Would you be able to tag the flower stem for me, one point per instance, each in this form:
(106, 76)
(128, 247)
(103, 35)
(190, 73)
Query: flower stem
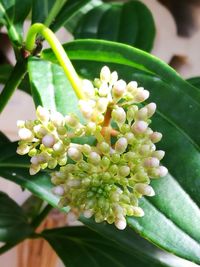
(59, 52)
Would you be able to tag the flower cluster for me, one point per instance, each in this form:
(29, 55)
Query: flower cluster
(105, 179)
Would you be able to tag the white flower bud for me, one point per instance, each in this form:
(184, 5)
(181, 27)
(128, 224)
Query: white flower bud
(142, 114)
(74, 154)
(145, 150)
(113, 77)
(139, 127)
(23, 149)
(163, 171)
(119, 115)
(119, 88)
(86, 149)
(57, 118)
(34, 169)
(151, 162)
(132, 87)
(105, 74)
(104, 89)
(20, 124)
(86, 109)
(91, 127)
(155, 137)
(120, 223)
(71, 120)
(102, 104)
(151, 109)
(34, 160)
(58, 190)
(58, 147)
(25, 134)
(42, 114)
(104, 147)
(88, 89)
(138, 212)
(121, 145)
(141, 95)
(48, 140)
(130, 137)
(124, 171)
(159, 154)
(144, 189)
(94, 158)
(131, 112)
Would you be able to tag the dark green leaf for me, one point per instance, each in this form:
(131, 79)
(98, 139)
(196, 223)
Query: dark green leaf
(195, 81)
(130, 23)
(94, 250)
(15, 78)
(3, 139)
(13, 223)
(41, 9)
(167, 221)
(69, 11)
(13, 14)
(76, 12)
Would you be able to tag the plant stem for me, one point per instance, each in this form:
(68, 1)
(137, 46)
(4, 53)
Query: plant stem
(12, 83)
(59, 52)
(54, 12)
(36, 222)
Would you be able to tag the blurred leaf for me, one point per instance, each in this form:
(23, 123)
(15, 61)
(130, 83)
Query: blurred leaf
(130, 23)
(13, 222)
(12, 14)
(195, 81)
(3, 139)
(32, 207)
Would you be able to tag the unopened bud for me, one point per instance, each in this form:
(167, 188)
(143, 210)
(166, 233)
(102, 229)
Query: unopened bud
(74, 154)
(48, 140)
(94, 158)
(42, 114)
(155, 137)
(151, 109)
(58, 190)
(144, 189)
(57, 118)
(88, 88)
(120, 223)
(139, 127)
(119, 115)
(71, 120)
(105, 74)
(119, 88)
(151, 162)
(121, 145)
(25, 134)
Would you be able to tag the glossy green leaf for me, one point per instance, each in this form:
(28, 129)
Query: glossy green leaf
(41, 9)
(13, 222)
(50, 87)
(13, 14)
(69, 11)
(195, 81)
(167, 221)
(130, 23)
(76, 12)
(14, 80)
(79, 246)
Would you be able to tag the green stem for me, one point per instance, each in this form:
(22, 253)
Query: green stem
(37, 221)
(12, 83)
(59, 52)
(54, 12)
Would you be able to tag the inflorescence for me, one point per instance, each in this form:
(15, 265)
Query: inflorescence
(105, 179)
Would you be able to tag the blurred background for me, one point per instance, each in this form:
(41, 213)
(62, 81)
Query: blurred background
(176, 42)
